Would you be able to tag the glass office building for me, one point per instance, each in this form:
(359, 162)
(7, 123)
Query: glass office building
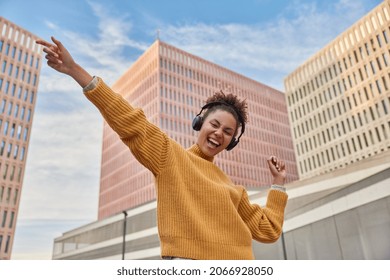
(20, 62)
(339, 99)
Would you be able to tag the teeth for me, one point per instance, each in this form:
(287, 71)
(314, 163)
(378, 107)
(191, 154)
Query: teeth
(213, 142)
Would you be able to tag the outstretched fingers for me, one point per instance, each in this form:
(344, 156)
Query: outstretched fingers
(48, 47)
(58, 43)
(52, 52)
(43, 43)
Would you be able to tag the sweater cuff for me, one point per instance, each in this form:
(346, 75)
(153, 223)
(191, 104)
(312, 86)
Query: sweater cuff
(92, 84)
(278, 188)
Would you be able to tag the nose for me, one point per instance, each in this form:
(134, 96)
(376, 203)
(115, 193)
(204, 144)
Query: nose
(218, 132)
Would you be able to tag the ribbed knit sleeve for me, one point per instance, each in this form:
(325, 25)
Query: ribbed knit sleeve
(145, 140)
(265, 223)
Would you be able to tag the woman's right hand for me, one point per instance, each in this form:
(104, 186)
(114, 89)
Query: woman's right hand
(58, 56)
(60, 59)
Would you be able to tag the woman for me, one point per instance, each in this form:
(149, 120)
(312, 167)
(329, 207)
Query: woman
(201, 214)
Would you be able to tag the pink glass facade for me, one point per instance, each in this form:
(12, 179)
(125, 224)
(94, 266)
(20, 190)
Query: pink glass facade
(20, 62)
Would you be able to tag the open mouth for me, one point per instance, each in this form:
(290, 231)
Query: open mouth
(212, 143)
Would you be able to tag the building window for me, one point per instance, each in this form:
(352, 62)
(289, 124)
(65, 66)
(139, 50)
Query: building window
(378, 134)
(20, 174)
(16, 72)
(25, 134)
(2, 147)
(21, 157)
(12, 133)
(365, 139)
(16, 110)
(15, 155)
(4, 66)
(6, 87)
(16, 194)
(11, 221)
(32, 97)
(19, 131)
(7, 244)
(10, 105)
(385, 36)
(1, 192)
(13, 52)
(22, 113)
(6, 124)
(4, 218)
(385, 108)
(383, 130)
(13, 89)
(7, 49)
(2, 108)
(9, 150)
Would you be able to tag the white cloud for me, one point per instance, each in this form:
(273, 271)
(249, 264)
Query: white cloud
(108, 52)
(63, 164)
(267, 52)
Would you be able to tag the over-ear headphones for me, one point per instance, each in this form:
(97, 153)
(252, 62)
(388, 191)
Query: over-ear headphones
(197, 122)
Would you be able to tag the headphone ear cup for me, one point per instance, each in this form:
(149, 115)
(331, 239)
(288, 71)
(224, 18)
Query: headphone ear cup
(232, 144)
(197, 123)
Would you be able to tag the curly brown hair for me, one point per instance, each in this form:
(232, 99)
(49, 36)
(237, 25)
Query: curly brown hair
(230, 103)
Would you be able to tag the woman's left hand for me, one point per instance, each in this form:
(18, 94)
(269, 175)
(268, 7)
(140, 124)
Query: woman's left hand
(278, 170)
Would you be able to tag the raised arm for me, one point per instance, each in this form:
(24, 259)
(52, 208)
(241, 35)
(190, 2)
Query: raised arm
(59, 58)
(146, 141)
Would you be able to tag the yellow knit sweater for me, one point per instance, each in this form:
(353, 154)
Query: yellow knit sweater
(201, 214)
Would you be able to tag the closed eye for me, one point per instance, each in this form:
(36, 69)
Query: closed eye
(216, 124)
(228, 132)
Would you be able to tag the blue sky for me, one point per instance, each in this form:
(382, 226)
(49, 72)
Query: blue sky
(262, 39)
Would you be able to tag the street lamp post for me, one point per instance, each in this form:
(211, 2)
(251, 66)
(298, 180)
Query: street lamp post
(284, 246)
(124, 234)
